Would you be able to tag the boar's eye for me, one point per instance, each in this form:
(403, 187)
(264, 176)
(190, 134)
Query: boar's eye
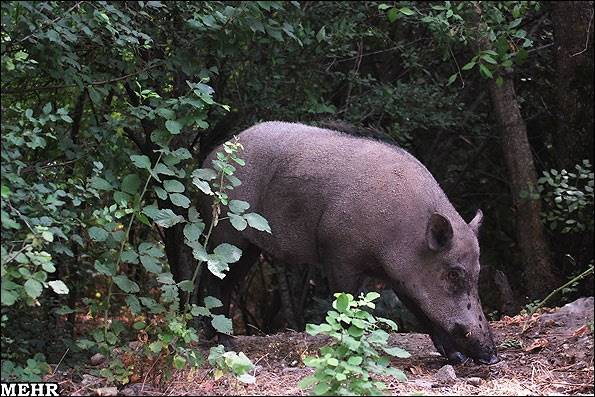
(456, 277)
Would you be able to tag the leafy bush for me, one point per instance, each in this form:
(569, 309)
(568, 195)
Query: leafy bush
(568, 197)
(344, 367)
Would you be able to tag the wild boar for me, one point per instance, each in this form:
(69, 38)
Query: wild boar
(359, 207)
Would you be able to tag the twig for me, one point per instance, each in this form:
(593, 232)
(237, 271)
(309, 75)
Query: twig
(60, 362)
(587, 41)
(554, 292)
(93, 83)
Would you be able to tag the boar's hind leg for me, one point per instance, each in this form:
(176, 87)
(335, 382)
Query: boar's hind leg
(223, 288)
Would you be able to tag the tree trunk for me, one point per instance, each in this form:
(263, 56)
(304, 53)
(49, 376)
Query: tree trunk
(539, 275)
(573, 31)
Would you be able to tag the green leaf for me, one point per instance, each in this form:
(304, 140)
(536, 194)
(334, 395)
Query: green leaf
(109, 268)
(257, 222)
(321, 388)
(237, 221)
(166, 278)
(342, 303)
(238, 206)
(468, 65)
(222, 324)
(133, 304)
(392, 14)
(125, 284)
(200, 253)
(33, 288)
(151, 264)
(306, 382)
(192, 231)
(396, 352)
(59, 287)
(173, 126)
(228, 253)
(131, 183)
(129, 256)
(164, 217)
(452, 79)
(6, 191)
(186, 285)
(97, 233)
(47, 109)
(100, 183)
(141, 161)
(173, 186)
(489, 59)
(156, 346)
(179, 362)
(180, 200)
(407, 11)
(202, 185)
(47, 235)
(211, 302)
(485, 71)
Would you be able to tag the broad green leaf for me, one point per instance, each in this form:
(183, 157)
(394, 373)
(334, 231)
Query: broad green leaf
(306, 382)
(199, 311)
(202, 185)
(133, 304)
(468, 65)
(237, 221)
(131, 183)
(257, 222)
(186, 285)
(173, 126)
(129, 256)
(192, 231)
(397, 352)
(406, 11)
(392, 14)
(193, 215)
(151, 264)
(180, 200)
(228, 253)
(163, 217)
(342, 303)
(222, 324)
(173, 186)
(199, 253)
(238, 206)
(33, 288)
(141, 161)
(321, 388)
(211, 302)
(485, 71)
(125, 284)
(100, 183)
(97, 233)
(179, 362)
(59, 287)
(216, 266)
(165, 278)
(156, 346)
(109, 268)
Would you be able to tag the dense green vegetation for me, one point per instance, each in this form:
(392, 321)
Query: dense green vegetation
(108, 109)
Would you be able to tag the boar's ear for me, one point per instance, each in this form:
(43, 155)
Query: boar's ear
(439, 232)
(476, 222)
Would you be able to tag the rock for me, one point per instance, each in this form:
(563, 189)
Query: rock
(89, 380)
(107, 391)
(131, 390)
(446, 374)
(97, 359)
(474, 381)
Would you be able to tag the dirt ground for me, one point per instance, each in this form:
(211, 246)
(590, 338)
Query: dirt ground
(548, 354)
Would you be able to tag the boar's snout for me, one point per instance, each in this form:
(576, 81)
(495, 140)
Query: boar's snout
(477, 343)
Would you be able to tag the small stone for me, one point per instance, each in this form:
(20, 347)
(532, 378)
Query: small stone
(89, 380)
(107, 391)
(474, 381)
(97, 359)
(446, 374)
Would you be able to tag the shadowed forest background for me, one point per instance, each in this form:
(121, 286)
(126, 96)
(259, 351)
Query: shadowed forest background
(104, 104)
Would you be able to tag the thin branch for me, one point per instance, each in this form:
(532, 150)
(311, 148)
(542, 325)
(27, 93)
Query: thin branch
(53, 21)
(93, 83)
(587, 41)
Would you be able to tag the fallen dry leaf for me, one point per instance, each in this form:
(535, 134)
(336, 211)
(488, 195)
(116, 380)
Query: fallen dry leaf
(537, 344)
(584, 330)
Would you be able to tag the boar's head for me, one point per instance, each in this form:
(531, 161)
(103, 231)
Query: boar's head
(440, 286)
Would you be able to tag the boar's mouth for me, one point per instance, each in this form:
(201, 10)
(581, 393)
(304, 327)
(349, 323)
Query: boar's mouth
(445, 343)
